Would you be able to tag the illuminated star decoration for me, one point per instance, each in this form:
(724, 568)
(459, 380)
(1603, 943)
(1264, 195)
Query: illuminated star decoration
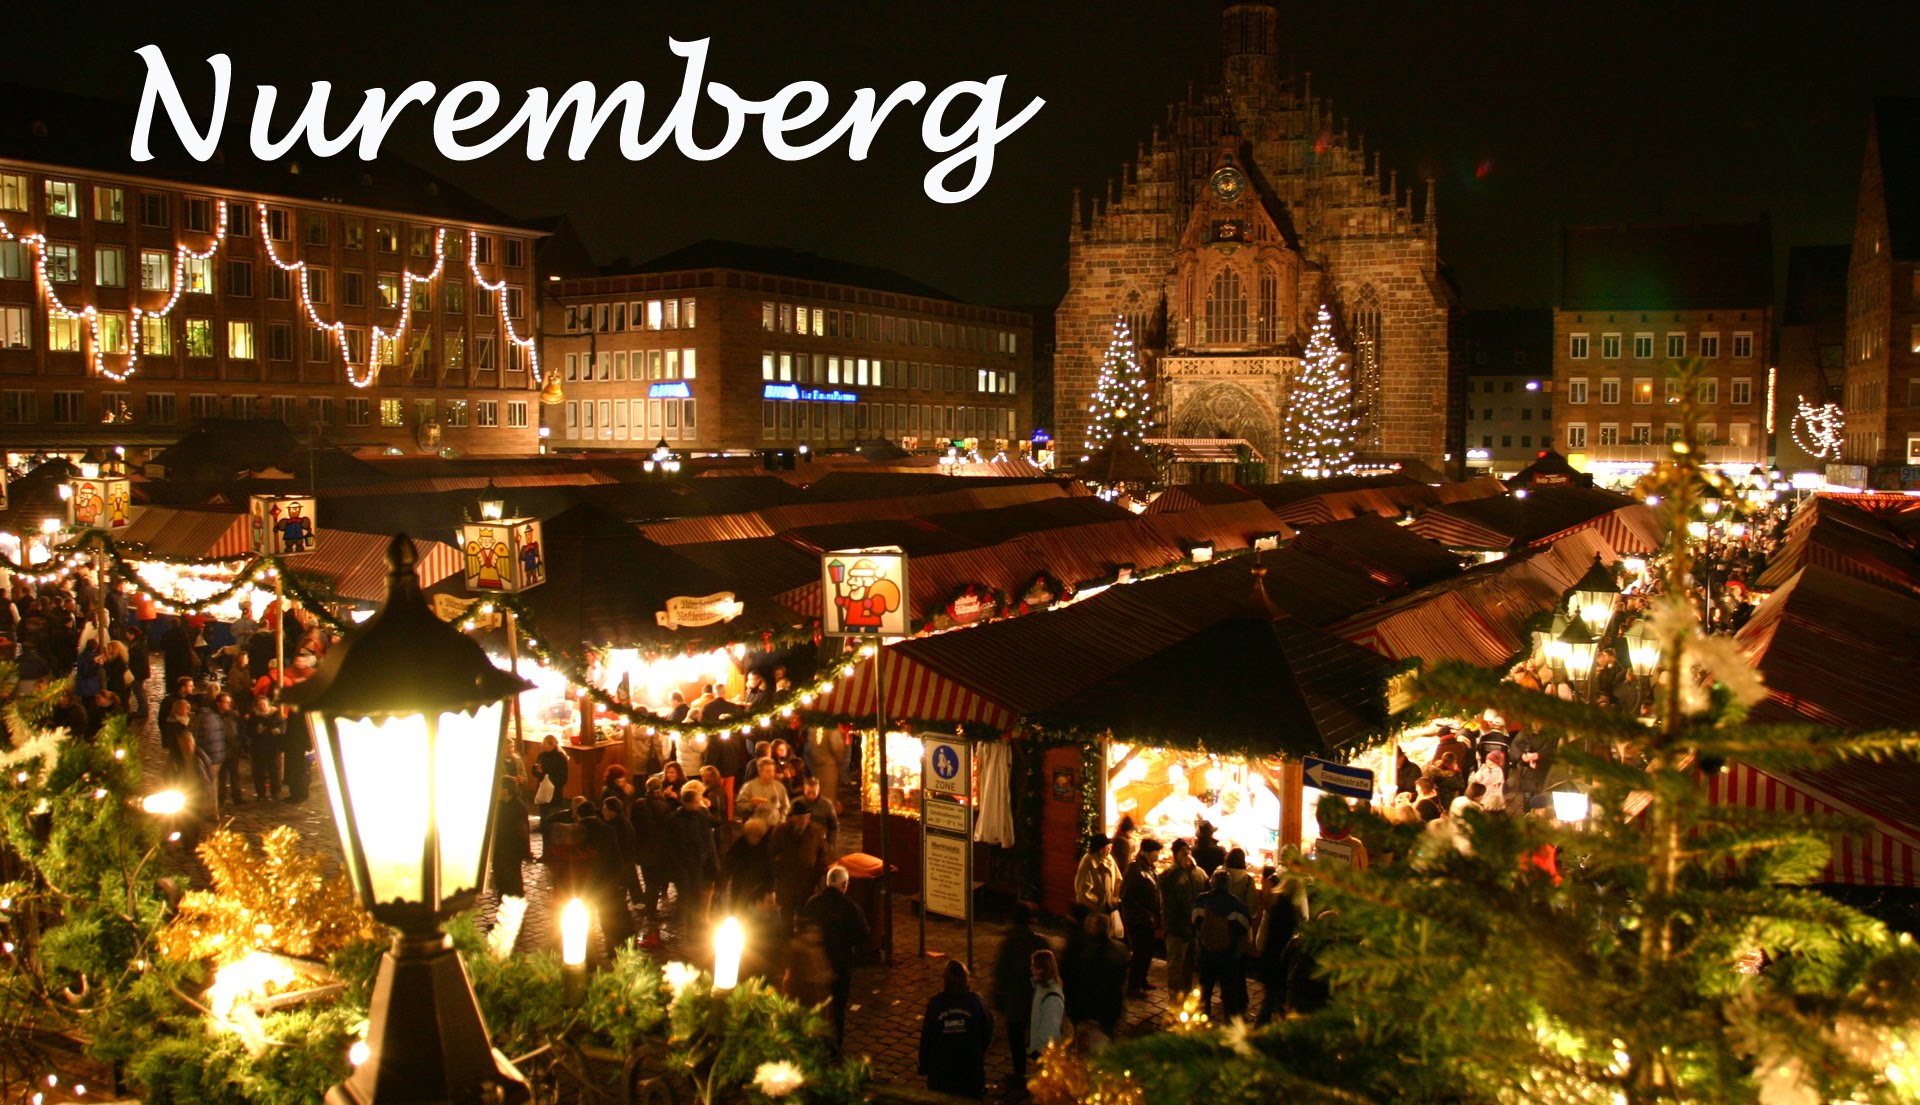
(1817, 429)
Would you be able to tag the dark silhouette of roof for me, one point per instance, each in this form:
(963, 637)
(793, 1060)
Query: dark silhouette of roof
(1700, 266)
(1551, 469)
(1896, 123)
(717, 253)
(1816, 285)
(85, 132)
(221, 449)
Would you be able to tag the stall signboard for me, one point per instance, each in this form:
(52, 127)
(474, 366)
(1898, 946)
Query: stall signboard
(282, 525)
(1348, 782)
(693, 612)
(946, 825)
(864, 593)
(1338, 852)
(100, 502)
(504, 556)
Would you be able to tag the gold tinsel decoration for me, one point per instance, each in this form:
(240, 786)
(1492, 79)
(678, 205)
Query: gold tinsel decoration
(1065, 1078)
(276, 898)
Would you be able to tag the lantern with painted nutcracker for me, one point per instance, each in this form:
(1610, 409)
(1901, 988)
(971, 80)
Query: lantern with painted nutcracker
(282, 525)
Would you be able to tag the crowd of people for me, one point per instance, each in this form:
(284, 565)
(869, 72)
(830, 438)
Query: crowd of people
(222, 681)
(748, 831)
(1485, 767)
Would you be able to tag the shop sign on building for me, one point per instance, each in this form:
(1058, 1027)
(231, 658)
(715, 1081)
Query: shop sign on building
(693, 612)
(864, 593)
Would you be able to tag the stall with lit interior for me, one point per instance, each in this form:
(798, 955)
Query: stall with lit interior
(616, 634)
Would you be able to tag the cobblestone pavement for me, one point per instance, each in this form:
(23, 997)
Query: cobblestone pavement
(884, 1014)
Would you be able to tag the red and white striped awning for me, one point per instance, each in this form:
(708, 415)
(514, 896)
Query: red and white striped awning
(1882, 856)
(165, 531)
(1631, 530)
(357, 562)
(915, 692)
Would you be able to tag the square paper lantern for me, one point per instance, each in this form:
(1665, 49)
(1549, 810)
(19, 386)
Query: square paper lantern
(282, 525)
(503, 556)
(100, 502)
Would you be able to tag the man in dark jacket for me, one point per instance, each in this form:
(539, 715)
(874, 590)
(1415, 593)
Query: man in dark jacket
(1141, 915)
(954, 1035)
(798, 849)
(511, 845)
(1180, 886)
(652, 818)
(1013, 985)
(696, 854)
(1222, 926)
(843, 932)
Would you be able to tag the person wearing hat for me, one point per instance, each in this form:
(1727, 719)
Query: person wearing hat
(1096, 884)
(1141, 912)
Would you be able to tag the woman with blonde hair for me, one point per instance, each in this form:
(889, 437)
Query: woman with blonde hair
(1047, 1020)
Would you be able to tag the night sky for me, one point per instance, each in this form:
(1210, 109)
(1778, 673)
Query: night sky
(1528, 114)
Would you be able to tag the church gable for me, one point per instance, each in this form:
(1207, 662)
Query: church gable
(1236, 279)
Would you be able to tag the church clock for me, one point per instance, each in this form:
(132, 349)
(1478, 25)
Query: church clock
(1228, 183)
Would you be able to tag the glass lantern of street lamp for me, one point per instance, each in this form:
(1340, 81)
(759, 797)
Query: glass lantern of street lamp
(1711, 500)
(408, 717)
(1548, 641)
(493, 505)
(1570, 805)
(1579, 647)
(1643, 649)
(1594, 596)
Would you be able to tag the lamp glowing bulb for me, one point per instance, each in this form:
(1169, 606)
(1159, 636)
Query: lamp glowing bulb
(1570, 805)
(359, 1053)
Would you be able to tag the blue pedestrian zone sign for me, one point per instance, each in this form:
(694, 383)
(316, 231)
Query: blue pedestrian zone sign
(946, 762)
(1348, 782)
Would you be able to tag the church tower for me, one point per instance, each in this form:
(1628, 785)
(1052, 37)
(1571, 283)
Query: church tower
(1251, 203)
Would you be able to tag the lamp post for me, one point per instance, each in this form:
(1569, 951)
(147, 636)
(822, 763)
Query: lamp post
(408, 718)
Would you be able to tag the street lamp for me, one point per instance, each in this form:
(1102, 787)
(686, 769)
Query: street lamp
(493, 505)
(408, 718)
(1710, 501)
(1570, 804)
(1594, 595)
(1643, 649)
(1578, 647)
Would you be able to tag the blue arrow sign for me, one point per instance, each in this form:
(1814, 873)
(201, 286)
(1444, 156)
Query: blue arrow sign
(1349, 782)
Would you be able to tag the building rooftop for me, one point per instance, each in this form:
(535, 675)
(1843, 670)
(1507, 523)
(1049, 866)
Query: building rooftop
(717, 253)
(1698, 266)
(83, 132)
(1492, 340)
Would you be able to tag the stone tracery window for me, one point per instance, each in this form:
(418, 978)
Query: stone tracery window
(1226, 310)
(1269, 305)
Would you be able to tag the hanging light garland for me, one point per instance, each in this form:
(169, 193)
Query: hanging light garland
(96, 350)
(381, 338)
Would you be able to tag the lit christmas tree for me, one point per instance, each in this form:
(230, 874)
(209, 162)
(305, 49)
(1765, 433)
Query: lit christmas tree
(1121, 407)
(1317, 437)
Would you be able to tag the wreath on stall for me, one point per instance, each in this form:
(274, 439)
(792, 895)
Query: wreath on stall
(972, 603)
(1041, 592)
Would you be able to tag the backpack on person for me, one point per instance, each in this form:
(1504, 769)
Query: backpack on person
(1215, 932)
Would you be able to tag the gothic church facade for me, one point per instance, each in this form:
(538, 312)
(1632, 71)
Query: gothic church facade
(1249, 208)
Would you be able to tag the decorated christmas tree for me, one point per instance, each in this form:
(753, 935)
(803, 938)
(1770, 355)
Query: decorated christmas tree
(1121, 406)
(1317, 436)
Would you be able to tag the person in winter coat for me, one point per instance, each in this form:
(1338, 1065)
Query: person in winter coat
(697, 858)
(141, 668)
(219, 733)
(176, 731)
(843, 932)
(747, 868)
(1141, 913)
(1222, 928)
(1046, 1021)
(1096, 883)
(1283, 907)
(1014, 979)
(1096, 976)
(954, 1036)
(1208, 854)
(1492, 777)
(798, 849)
(651, 816)
(512, 845)
(1180, 886)
(613, 810)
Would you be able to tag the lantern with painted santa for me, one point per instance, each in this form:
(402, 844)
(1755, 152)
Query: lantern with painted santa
(99, 502)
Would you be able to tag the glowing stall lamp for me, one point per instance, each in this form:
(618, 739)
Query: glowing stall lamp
(573, 933)
(408, 718)
(729, 942)
(1711, 501)
(1570, 806)
(1697, 530)
(1202, 552)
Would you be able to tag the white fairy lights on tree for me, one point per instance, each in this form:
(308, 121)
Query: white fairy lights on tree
(1317, 436)
(1817, 429)
(1121, 406)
